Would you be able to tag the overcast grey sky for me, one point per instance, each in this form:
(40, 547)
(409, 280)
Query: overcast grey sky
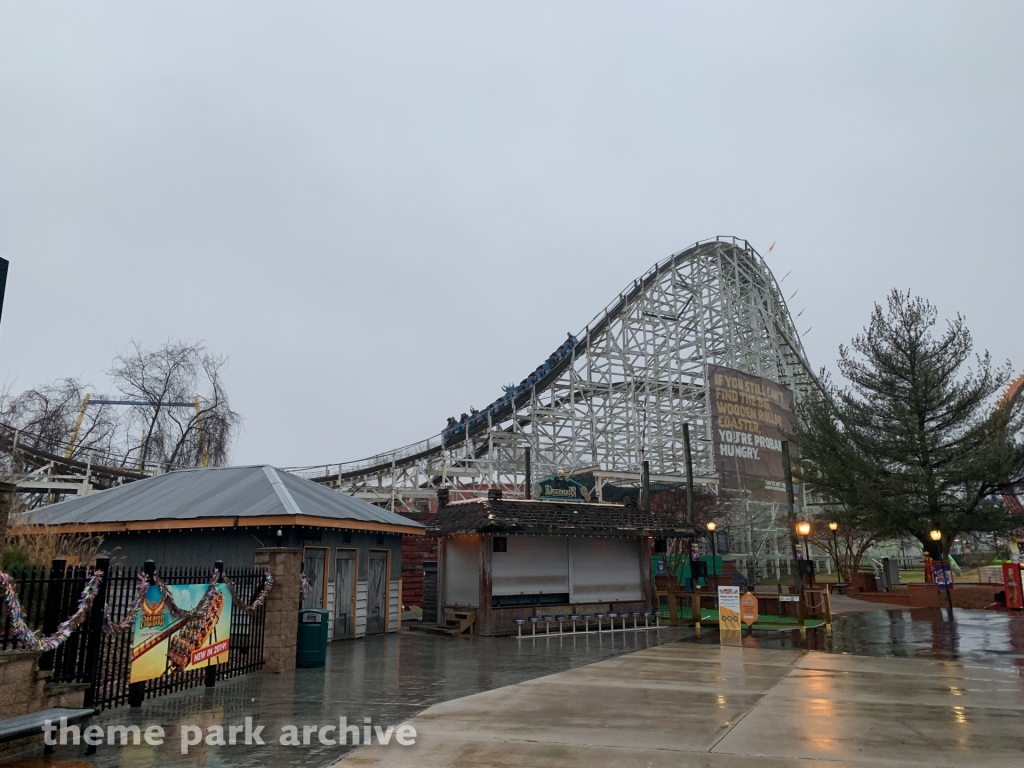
(384, 211)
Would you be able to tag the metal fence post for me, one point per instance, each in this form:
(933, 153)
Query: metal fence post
(211, 668)
(137, 691)
(94, 632)
(51, 613)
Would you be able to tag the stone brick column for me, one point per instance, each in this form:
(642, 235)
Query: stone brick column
(7, 492)
(282, 607)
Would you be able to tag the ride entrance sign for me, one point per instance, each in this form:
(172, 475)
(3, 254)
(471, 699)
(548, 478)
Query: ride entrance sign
(559, 487)
(199, 635)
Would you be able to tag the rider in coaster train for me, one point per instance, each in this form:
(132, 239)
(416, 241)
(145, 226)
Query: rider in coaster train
(529, 381)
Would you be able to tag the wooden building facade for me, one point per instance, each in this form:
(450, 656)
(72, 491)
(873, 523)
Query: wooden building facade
(508, 559)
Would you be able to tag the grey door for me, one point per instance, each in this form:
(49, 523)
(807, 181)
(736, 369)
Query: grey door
(315, 562)
(430, 593)
(344, 584)
(377, 593)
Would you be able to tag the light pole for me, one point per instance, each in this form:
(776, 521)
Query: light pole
(804, 529)
(834, 526)
(714, 570)
(936, 536)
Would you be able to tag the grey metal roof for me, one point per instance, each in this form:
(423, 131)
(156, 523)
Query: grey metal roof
(219, 492)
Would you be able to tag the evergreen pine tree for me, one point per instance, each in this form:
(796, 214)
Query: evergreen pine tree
(913, 443)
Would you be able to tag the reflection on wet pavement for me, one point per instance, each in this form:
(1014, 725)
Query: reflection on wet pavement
(978, 637)
(716, 706)
(393, 678)
(388, 679)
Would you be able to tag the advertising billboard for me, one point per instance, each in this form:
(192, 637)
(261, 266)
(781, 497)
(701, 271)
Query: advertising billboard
(162, 644)
(750, 416)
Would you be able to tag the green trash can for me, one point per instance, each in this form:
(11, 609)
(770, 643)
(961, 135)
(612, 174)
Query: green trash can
(311, 645)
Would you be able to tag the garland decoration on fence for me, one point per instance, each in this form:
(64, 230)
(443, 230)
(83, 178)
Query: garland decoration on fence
(261, 598)
(33, 641)
(116, 628)
(202, 607)
(128, 621)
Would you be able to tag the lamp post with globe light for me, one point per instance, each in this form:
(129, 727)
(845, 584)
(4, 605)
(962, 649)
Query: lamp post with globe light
(804, 529)
(833, 526)
(711, 526)
(936, 536)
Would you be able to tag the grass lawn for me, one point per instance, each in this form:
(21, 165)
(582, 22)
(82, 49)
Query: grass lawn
(967, 575)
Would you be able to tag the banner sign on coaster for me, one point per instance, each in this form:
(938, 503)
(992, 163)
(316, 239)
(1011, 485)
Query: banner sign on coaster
(162, 644)
(748, 608)
(751, 417)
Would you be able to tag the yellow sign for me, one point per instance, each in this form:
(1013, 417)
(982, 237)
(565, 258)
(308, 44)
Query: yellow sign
(748, 608)
(729, 608)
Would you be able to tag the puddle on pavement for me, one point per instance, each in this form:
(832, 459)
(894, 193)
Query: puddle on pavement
(977, 637)
(388, 679)
(392, 678)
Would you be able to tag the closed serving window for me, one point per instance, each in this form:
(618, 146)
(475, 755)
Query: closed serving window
(531, 565)
(604, 570)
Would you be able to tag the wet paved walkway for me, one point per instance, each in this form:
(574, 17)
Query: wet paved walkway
(388, 679)
(394, 678)
(723, 707)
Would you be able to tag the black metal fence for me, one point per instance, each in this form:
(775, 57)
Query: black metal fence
(48, 596)
(103, 659)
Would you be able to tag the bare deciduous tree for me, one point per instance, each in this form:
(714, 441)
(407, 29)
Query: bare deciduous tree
(47, 415)
(183, 418)
(849, 543)
(179, 416)
(671, 504)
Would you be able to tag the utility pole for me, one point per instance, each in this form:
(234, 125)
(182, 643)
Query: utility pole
(528, 490)
(646, 485)
(689, 474)
(787, 470)
(3, 282)
(688, 458)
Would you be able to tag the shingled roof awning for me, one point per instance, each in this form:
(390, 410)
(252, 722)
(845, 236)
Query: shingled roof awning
(552, 518)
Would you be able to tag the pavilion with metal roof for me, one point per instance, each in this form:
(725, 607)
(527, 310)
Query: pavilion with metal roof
(223, 497)
(351, 550)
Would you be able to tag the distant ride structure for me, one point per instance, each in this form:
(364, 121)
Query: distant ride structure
(704, 338)
(1006, 401)
(612, 396)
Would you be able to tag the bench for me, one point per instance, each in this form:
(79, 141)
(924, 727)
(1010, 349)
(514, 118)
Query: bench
(840, 588)
(23, 726)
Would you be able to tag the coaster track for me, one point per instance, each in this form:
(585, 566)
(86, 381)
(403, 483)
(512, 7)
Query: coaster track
(1006, 401)
(614, 395)
(35, 470)
(602, 403)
